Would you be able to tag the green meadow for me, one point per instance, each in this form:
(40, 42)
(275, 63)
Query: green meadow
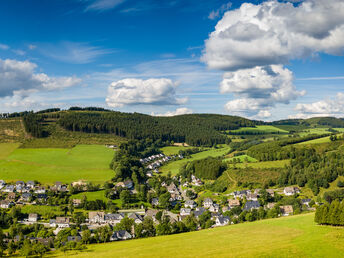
(47, 165)
(294, 236)
(261, 129)
(242, 158)
(174, 166)
(91, 196)
(316, 141)
(263, 164)
(174, 150)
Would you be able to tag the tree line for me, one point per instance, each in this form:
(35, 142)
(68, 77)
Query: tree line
(330, 213)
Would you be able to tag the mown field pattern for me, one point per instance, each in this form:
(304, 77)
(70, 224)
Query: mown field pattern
(174, 166)
(295, 236)
(88, 162)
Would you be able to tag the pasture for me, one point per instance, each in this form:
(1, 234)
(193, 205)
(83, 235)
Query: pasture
(174, 166)
(91, 196)
(294, 236)
(316, 141)
(242, 158)
(263, 164)
(174, 150)
(261, 129)
(88, 162)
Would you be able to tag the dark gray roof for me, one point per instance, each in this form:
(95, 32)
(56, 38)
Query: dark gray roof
(251, 205)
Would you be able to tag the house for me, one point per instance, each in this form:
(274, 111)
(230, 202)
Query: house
(59, 187)
(33, 217)
(214, 207)
(226, 208)
(76, 202)
(2, 184)
(42, 197)
(199, 211)
(190, 204)
(52, 223)
(120, 235)
(11, 196)
(271, 192)
(252, 197)
(40, 190)
(62, 222)
(241, 194)
(173, 217)
(155, 201)
(120, 184)
(270, 205)
(80, 183)
(151, 213)
(175, 197)
(172, 189)
(73, 238)
(30, 184)
(222, 220)
(291, 190)
(20, 184)
(185, 211)
(9, 189)
(286, 210)
(306, 202)
(233, 203)
(6, 204)
(113, 218)
(137, 218)
(96, 217)
(256, 191)
(207, 202)
(128, 184)
(251, 205)
(26, 197)
(149, 173)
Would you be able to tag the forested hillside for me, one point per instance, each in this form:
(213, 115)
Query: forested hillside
(195, 129)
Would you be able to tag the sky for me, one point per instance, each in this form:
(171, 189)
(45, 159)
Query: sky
(264, 60)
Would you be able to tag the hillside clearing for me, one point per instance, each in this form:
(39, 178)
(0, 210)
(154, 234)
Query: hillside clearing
(263, 164)
(316, 141)
(88, 162)
(267, 129)
(174, 166)
(295, 236)
(174, 150)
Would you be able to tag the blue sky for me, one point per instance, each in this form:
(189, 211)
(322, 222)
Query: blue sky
(159, 57)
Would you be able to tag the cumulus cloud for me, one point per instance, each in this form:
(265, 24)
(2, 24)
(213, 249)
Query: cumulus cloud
(327, 107)
(19, 76)
(177, 112)
(259, 88)
(252, 43)
(275, 32)
(152, 91)
(217, 13)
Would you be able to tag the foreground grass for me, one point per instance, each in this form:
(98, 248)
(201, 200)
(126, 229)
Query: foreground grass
(295, 236)
(174, 166)
(88, 162)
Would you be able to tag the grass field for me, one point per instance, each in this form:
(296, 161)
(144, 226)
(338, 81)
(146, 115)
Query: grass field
(264, 164)
(174, 166)
(91, 196)
(320, 130)
(7, 148)
(242, 158)
(267, 129)
(294, 236)
(173, 150)
(316, 141)
(45, 211)
(88, 162)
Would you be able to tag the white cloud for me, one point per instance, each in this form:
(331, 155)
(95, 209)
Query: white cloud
(259, 88)
(133, 91)
(4, 47)
(275, 32)
(217, 13)
(20, 77)
(103, 5)
(19, 52)
(74, 52)
(177, 112)
(264, 114)
(327, 107)
(252, 43)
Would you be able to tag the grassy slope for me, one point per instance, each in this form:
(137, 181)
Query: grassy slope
(263, 164)
(316, 141)
(173, 150)
(174, 166)
(89, 162)
(295, 236)
(242, 158)
(261, 128)
(7, 148)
